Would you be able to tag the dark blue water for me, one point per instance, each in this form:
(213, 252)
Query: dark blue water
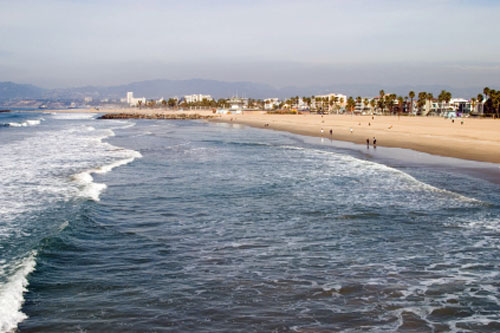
(193, 226)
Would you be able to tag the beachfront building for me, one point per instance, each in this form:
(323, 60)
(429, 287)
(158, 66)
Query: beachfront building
(364, 107)
(197, 98)
(132, 101)
(237, 103)
(271, 103)
(329, 102)
(461, 106)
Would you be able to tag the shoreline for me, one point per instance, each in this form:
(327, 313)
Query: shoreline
(475, 139)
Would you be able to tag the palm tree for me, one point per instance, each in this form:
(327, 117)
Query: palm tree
(400, 102)
(389, 101)
(495, 99)
(372, 104)
(430, 98)
(351, 104)
(411, 94)
(422, 97)
(335, 101)
(486, 92)
(480, 102)
(441, 98)
(358, 100)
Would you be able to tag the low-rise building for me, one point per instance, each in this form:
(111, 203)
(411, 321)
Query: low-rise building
(237, 103)
(197, 98)
(271, 103)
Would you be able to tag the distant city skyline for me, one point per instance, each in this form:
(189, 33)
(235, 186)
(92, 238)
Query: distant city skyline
(57, 43)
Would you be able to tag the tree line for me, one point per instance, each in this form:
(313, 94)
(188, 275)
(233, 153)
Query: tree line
(486, 103)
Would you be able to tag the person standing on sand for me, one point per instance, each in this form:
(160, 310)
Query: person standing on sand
(367, 143)
(322, 131)
(351, 130)
(331, 132)
(374, 142)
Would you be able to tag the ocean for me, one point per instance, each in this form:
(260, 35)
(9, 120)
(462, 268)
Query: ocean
(191, 226)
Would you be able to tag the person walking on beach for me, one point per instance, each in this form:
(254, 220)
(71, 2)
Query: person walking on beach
(331, 132)
(367, 143)
(374, 142)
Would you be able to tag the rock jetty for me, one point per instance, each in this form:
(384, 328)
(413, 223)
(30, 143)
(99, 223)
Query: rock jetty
(180, 116)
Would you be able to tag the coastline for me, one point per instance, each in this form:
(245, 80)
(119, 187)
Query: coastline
(475, 139)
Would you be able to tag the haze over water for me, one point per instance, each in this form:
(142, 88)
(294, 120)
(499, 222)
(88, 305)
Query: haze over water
(193, 226)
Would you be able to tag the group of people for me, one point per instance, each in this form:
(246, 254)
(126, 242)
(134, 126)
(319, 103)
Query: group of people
(374, 143)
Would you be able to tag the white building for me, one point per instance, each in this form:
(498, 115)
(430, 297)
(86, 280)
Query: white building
(196, 98)
(461, 105)
(323, 102)
(238, 103)
(271, 103)
(364, 107)
(342, 99)
(132, 101)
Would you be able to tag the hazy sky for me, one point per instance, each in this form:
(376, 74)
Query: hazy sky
(58, 43)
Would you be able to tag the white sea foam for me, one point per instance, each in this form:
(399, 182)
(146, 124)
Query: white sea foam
(92, 190)
(377, 174)
(12, 294)
(29, 122)
(89, 189)
(48, 156)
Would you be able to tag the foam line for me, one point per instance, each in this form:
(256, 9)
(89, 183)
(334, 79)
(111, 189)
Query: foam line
(12, 294)
(93, 190)
(29, 122)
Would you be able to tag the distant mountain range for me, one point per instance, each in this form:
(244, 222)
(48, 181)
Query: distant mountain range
(218, 89)
(10, 90)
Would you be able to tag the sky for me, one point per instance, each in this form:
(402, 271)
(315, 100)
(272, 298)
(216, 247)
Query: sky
(69, 43)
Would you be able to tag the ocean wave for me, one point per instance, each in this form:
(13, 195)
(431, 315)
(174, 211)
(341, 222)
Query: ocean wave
(375, 171)
(29, 122)
(92, 190)
(12, 294)
(48, 158)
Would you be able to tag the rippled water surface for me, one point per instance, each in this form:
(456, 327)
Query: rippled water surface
(190, 226)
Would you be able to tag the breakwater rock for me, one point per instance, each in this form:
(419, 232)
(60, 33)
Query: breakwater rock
(153, 116)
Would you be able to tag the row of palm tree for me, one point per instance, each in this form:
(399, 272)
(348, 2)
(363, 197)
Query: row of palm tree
(487, 104)
(492, 105)
(386, 103)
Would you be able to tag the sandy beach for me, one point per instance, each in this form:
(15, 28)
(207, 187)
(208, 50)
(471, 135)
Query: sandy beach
(475, 139)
